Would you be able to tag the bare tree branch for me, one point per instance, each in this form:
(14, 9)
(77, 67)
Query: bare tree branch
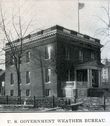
(15, 27)
(27, 27)
(103, 21)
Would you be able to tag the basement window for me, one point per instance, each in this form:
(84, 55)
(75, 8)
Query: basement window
(11, 92)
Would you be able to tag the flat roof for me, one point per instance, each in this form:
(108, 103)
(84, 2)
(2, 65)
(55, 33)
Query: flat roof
(61, 29)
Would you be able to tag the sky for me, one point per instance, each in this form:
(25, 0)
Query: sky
(46, 13)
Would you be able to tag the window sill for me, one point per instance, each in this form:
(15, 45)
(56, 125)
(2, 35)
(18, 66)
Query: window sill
(48, 59)
(28, 83)
(12, 84)
(12, 65)
(27, 62)
(48, 82)
(28, 96)
(48, 96)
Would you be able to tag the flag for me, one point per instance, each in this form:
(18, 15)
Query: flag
(80, 5)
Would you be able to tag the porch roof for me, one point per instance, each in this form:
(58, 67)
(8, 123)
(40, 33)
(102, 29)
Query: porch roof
(90, 64)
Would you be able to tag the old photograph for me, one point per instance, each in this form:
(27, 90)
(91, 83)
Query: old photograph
(54, 56)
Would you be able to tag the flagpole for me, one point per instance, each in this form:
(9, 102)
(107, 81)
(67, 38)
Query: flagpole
(108, 16)
(78, 18)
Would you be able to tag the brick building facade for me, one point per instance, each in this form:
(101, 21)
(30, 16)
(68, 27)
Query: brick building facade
(2, 80)
(55, 61)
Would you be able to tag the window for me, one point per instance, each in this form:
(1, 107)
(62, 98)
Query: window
(20, 92)
(47, 74)
(82, 75)
(92, 56)
(47, 92)
(3, 83)
(48, 52)
(11, 92)
(12, 60)
(11, 79)
(20, 78)
(69, 75)
(80, 55)
(28, 56)
(27, 77)
(27, 92)
(67, 51)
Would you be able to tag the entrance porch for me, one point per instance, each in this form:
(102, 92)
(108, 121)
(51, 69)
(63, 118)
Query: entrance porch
(84, 78)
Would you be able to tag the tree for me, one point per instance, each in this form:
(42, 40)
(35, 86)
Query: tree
(16, 51)
(105, 29)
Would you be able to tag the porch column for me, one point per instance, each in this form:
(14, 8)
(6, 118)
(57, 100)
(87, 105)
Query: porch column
(89, 77)
(99, 77)
(75, 78)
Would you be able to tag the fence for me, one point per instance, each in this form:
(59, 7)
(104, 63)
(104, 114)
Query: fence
(49, 102)
(35, 101)
(96, 103)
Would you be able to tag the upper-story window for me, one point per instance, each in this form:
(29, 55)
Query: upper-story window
(28, 55)
(48, 52)
(92, 55)
(12, 60)
(47, 75)
(27, 77)
(80, 55)
(3, 84)
(11, 78)
(67, 53)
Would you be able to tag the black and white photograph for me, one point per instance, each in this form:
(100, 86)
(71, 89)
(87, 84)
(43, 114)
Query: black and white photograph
(55, 57)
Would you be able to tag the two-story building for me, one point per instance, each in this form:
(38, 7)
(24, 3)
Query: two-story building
(55, 61)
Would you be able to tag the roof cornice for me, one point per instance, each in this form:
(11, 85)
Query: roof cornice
(60, 30)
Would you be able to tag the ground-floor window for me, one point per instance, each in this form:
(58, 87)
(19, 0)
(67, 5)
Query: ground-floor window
(82, 75)
(11, 92)
(27, 92)
(47, 92)
(27, 77)
(47, 75)
(69, 75)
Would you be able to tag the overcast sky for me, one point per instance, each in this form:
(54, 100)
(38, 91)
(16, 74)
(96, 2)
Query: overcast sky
(46, 13)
